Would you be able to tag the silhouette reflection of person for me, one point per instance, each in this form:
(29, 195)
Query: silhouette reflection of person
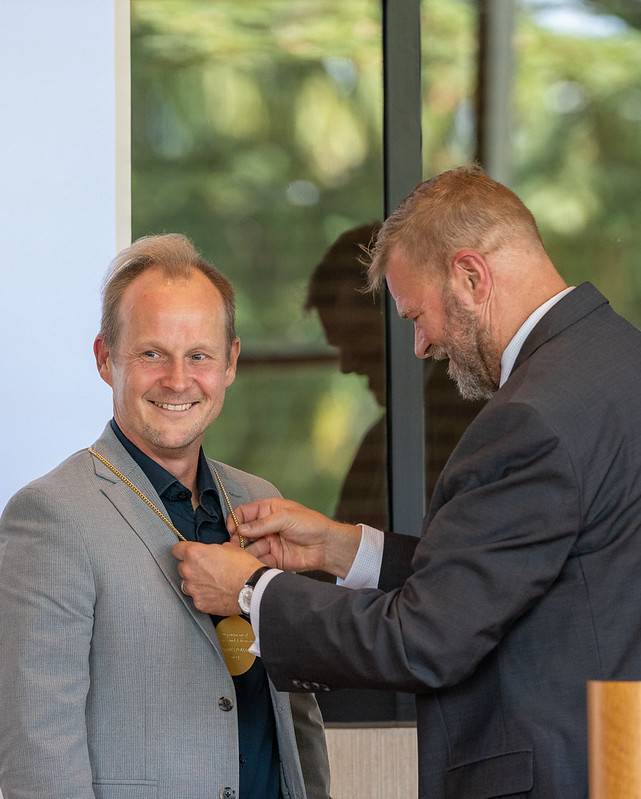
(354, 323)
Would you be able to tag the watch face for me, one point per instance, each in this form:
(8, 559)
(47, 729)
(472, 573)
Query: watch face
(245, 598)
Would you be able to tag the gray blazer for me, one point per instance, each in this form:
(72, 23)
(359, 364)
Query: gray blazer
(110, 680)
(525, 583)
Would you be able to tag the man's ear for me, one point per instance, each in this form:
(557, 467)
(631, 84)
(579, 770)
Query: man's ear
(230, 372)
(103, 359)
(471, 276)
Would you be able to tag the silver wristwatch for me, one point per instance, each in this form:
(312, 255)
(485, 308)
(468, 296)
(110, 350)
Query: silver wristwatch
(245, 593)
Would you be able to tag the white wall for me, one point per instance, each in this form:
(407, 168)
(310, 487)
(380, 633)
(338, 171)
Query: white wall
(64, 211)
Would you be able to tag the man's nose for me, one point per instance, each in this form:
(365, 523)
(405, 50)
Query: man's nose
(176, 376)
(420, 346)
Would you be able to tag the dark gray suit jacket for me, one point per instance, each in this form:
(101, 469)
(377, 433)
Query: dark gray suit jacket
(525, 583)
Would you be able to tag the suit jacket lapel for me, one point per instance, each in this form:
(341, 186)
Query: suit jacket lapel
(238, 494)
(234, 490)
(151, 530)
(574, 306)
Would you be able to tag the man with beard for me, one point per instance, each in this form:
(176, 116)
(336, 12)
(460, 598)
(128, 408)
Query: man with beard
(524, 583)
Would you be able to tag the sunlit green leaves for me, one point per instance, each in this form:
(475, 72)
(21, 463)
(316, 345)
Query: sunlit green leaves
(257, 131)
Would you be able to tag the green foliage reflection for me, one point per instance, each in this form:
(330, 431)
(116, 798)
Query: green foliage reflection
(257, 132)
(577, 137)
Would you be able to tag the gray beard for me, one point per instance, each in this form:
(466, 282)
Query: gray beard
(474, 363)
(471, 385)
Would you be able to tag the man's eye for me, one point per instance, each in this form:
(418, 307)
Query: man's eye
(150, 355)
(198, 356)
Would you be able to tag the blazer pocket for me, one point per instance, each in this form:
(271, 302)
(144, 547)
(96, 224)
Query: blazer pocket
(122, 789)
(508, 775)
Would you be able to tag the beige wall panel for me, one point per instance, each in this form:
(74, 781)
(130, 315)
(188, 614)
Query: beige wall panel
(373, 763)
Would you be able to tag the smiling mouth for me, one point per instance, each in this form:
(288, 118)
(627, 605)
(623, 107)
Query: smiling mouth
(168, 406)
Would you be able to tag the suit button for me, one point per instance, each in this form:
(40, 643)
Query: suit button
(225, 704)
(325, 687)
(315, 686)
(306, 685)
(227, 793)
(296, 683)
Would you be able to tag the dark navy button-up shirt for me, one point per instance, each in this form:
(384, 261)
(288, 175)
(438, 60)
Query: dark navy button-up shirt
(257, 742)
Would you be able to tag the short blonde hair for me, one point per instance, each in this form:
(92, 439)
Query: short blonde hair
(459, 208)
(177, 257)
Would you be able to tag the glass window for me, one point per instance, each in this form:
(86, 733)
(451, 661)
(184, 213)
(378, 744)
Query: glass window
(449, 79)
(257, 132)
(577, 128)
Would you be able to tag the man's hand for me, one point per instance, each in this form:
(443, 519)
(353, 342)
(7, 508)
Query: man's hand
(213, 575)
(290, 536)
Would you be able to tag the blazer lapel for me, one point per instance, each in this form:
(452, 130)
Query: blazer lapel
(152, 531)
(574, 306)
(236, 493)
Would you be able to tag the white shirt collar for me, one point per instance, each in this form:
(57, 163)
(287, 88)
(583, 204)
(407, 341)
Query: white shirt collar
(511, 352)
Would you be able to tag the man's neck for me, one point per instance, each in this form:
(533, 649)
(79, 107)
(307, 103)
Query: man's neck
(530, 301)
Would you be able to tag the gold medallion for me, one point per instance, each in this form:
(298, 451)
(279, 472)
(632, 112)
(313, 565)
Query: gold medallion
(235, 636)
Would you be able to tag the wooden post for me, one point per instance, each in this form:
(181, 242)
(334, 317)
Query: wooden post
(614, 740)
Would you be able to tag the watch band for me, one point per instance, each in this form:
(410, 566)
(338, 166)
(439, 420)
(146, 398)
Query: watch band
(255, 577)
(245, 593)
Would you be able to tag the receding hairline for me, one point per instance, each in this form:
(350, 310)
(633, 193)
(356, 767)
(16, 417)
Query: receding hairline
(163, 279)
(170, 276)
(173, 255)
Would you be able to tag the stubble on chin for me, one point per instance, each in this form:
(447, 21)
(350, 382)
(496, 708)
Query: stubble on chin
(163, 440)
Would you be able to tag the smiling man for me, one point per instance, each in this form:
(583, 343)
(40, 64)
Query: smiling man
(112, 685)
(525, 581)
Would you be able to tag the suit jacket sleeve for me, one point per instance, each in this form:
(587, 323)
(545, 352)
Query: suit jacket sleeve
(508, 517)
(46, 619)
(396, 567)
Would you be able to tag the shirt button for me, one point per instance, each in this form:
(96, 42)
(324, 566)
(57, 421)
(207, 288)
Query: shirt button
(227, 793)
(242, 760)
(225, 704)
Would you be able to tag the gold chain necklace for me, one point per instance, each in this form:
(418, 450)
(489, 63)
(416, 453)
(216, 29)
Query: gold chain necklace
(152, 506)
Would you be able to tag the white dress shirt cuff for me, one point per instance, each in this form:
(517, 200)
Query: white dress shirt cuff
(254, 607)
(365, 573)
(366, 568)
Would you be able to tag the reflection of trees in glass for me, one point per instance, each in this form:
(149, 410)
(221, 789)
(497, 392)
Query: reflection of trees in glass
(578, 143)
(448, 75)
(257, 129)
(257, 132)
